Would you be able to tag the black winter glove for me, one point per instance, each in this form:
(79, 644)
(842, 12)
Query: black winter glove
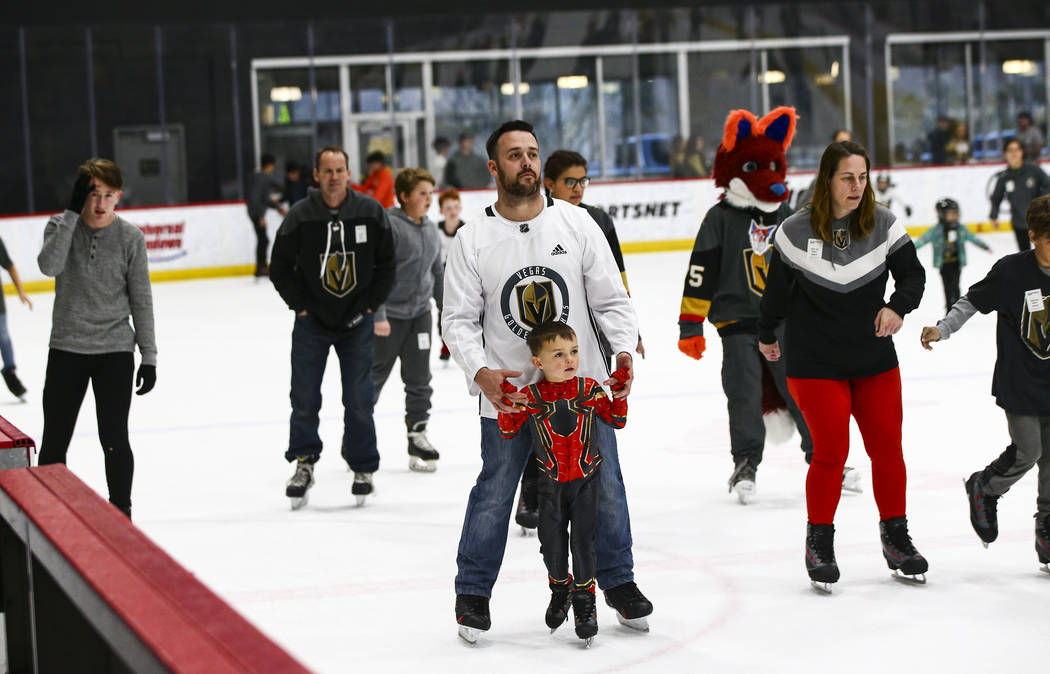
(146, 379)
(81, 189)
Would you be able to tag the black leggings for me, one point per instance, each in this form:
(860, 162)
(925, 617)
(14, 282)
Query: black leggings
(66, 383)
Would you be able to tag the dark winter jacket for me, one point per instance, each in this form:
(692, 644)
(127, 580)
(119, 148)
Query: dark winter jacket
(335, 266)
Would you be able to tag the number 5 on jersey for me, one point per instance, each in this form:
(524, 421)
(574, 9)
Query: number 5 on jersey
(696, 275)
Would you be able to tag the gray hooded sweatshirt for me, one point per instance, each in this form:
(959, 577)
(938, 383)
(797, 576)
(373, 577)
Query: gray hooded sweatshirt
(419, 271)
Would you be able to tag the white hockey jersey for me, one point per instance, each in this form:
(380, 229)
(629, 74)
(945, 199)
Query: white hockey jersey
(504, 278)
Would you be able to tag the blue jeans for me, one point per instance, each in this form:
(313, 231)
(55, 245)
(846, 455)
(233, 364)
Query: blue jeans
(485, 525)
(311, 342)
(7, 352)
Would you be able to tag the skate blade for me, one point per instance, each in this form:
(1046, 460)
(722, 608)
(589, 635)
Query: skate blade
(587, 642)
(851, 483)
(639, 624)
(469, 634)
(420, 466)
(917, 579)
(298, 502)
(360, 499)
(526, 532)
(1045, 568)
(985, 544)
(823, 588)
(745, 491)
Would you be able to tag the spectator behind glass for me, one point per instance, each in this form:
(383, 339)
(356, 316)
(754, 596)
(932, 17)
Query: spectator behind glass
(466, 169)
(439, 159)
(677, 157)
(959, 144)
(694, 165)
(380, 181)
(294, 185)
(1030, 136)
(937, 141)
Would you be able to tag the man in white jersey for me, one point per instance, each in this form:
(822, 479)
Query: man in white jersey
(525, 260)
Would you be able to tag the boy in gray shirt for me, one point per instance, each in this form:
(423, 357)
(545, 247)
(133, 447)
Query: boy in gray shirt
(101, 278)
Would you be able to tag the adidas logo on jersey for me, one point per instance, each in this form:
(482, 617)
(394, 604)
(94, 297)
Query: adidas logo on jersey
(558, 250)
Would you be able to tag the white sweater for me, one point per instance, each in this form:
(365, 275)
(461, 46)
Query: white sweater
(504, 278)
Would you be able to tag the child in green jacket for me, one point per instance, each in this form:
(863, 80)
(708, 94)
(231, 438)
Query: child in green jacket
(949, 247)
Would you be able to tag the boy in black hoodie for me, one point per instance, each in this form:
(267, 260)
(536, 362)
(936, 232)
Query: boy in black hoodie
(333, 264)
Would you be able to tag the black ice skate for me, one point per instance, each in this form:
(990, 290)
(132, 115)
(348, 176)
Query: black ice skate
(422, 457)
(472, 615)
(901, 556)
(983, 514)
(561, 599)
(527, 515)
(297, 488)
(584, 613)
(820, 556)
(742, 482)
(14, 384)
(362, 487)
(631, 606)
(1042, 542)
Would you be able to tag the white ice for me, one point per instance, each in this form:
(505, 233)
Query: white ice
(345, 588)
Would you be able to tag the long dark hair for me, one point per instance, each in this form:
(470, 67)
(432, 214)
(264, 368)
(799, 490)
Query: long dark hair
(862, 220)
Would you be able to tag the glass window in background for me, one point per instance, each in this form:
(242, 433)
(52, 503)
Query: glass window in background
(368, 89)
(929, 100)
(628, 152)
(1015, 82)
(471, 97)
(812, 81)
(718, 82)
(560, 99)
(287, 111)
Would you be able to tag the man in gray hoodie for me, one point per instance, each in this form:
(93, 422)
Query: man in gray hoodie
(98, 260)
(404, 323)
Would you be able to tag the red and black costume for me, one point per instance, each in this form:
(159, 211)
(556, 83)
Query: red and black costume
(562, 417)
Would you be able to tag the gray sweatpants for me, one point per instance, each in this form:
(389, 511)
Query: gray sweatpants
(742, 383)
(409, 340)
(1029, 446)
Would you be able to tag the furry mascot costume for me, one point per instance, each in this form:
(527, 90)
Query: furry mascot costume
(726, 279)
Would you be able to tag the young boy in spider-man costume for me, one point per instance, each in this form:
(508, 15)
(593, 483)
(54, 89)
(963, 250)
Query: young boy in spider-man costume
(562, 409)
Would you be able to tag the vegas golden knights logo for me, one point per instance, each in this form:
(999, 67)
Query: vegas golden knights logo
(757, 267)
(1035, 329)
(340, 273)
(535, 303)
(840, 237)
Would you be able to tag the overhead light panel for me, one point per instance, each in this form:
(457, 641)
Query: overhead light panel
(772, 77)
(1020, 67)
(507, 88)
(285, 94)
(572, 82)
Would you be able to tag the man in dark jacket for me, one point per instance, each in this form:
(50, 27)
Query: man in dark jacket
(333, 264)
(258, 202)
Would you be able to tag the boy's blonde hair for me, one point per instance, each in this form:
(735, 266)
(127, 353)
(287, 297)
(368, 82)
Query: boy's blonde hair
(408, 178)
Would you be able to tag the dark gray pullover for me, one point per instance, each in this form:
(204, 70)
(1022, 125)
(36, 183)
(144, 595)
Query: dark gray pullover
(420, 268)
(101, 278)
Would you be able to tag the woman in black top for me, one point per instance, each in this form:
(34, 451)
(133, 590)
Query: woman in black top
(1019, 183)
(831, 262)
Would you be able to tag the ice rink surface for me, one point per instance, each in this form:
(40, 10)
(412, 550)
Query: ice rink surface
(371, 589)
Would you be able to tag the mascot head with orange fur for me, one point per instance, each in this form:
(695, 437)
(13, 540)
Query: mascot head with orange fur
(750, 164)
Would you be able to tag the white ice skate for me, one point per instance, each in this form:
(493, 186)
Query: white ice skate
(362, 487)
(851, 480)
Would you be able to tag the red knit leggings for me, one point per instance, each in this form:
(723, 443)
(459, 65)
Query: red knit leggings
(875, 402)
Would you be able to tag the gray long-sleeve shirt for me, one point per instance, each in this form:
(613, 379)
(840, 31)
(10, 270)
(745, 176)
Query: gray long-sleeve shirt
(101, 278)
(419, 273)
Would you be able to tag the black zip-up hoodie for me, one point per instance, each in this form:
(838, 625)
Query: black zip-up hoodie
(335, 266)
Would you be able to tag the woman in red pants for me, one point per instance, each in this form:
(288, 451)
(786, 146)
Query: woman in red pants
(828, 279)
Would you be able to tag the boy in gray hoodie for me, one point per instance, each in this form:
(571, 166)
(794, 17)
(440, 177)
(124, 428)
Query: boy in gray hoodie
(404, 323)
(98, 260)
